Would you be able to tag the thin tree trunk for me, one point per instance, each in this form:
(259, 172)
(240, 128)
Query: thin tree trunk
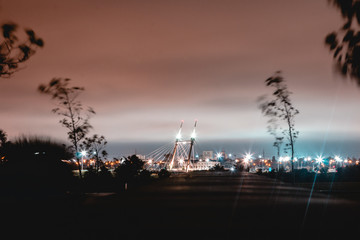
(290, 137)
(74, 133)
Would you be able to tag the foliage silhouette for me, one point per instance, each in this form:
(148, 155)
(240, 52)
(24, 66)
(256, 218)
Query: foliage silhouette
(3, 142)
(281, 108)
(3, 138)
(98, 180)
(164, 173)
(35, 165)
(217, 168)
(14, 51)
(71, 109)
(95, 146)
(273, 124)
(345, 42)
(129, 170)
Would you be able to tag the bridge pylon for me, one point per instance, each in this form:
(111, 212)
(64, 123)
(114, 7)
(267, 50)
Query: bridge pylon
(178, 146)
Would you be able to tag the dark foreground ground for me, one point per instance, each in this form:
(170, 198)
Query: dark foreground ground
(189, 206)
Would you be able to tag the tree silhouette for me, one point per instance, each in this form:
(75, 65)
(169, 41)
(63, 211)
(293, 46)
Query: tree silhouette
(95, 145)
(282, 109)
(14, 51)
(128, 170)
(71, 109)
(3, 138)
(273, 125)
(345, 42)
(3, 142)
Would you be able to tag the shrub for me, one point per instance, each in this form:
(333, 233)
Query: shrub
(34, 166)
(217, 167)
(164, 173)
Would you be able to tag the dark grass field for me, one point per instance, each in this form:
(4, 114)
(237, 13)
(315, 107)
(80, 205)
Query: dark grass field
(208, 205)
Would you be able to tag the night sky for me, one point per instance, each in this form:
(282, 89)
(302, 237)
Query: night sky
(147, 65)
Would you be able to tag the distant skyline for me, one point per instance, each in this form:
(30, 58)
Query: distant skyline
(147, 65)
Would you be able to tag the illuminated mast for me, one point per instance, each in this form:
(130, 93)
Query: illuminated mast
(178, 138)
(192, 140)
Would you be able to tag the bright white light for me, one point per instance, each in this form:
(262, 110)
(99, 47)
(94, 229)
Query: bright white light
(248, 156)
(260, 156)
(232, 169)
(319, 159)
(207, 160)
(218, 155)
(281, 159)
(83, 153)
(295, 159)
(230, 155)
(338, 159)
(150, 161)
(193, 134)
(181, 161)
(287, 158)
(178, 136)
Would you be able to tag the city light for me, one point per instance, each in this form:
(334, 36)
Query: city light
(319, 159)
(338, 159)
(248, 156)
(83, 153)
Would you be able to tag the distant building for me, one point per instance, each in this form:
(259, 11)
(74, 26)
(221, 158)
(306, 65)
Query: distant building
(203, 165)
(141, 157)
(208, 155)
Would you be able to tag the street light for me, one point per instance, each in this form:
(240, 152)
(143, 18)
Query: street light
(247, 159)
(319, 159)
(83, 154)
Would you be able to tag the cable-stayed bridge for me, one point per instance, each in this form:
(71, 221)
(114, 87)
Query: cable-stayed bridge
(181, 155)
